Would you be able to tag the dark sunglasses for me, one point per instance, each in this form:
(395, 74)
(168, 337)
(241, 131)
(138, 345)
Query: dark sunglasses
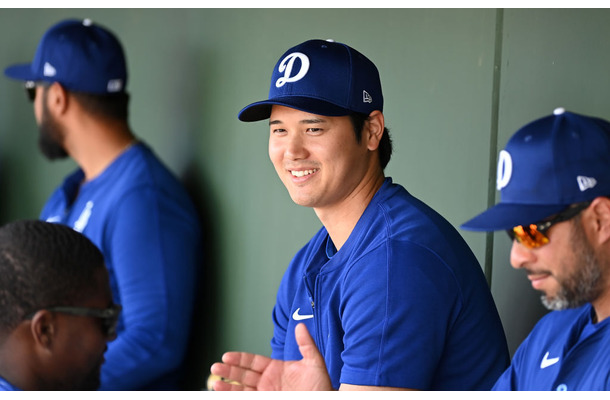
(534, 235)
(30, 90)
(109, 316)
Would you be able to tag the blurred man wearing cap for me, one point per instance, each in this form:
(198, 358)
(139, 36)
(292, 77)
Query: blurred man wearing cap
(57, 310)
(389, 290)
(554, 179)
(122, 197)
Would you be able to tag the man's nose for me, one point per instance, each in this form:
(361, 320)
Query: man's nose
(520, 255)
(295, 148)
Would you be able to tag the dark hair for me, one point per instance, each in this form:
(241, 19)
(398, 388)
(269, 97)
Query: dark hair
(113, 106)
(41, 265)
(385, 144)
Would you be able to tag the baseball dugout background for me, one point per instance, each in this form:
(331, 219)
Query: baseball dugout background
(457, 83)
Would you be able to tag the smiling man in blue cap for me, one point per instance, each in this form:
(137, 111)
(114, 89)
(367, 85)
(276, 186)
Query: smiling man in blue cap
(554, 179)
(121, 197)
(389, 290)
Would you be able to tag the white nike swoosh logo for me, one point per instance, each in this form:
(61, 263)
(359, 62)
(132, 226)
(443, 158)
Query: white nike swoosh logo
(547, 362)
(298, 317)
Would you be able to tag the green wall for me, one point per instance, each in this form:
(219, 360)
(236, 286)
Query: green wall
(457, 83)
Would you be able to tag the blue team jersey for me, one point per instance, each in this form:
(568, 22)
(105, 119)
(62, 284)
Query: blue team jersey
(404, 303)
(6, 387)
(146, 226)
(564, 351)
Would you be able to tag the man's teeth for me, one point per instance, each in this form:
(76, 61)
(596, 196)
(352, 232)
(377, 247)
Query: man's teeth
(303, 173)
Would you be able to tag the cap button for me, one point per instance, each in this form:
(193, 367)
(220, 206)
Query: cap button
(559, 111)
(330, 40)
(87, 22)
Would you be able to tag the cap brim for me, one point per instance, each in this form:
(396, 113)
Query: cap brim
(21, 72)
(506, 216)
(262, 109)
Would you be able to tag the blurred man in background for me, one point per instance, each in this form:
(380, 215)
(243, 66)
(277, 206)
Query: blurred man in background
(121, 197)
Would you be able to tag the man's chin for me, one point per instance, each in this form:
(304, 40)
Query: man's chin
(91, 383)
(54, 154)
(554, 303)
(50, 149)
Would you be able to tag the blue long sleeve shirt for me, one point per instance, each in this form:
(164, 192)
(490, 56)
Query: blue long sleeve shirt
(143, 221)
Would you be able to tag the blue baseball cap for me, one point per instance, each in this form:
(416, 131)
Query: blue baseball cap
(547, 165)
(80, 55)
(321, 77)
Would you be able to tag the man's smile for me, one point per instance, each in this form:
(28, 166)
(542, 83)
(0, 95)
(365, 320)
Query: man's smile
(305, 172)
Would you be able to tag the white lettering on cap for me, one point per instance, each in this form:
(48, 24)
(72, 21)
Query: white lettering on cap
(286, 67)
(505, 169)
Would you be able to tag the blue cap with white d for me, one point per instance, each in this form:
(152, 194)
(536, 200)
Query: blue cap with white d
(321, 77)
(80, 55)
(547, 165)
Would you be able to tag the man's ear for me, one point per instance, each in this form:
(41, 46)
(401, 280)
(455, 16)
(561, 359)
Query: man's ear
(374, 129)
(44, 329)
(600, 208)
(57, 99)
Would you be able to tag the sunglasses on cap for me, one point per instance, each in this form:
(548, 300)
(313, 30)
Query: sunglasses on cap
(534, 235)
(109, 316)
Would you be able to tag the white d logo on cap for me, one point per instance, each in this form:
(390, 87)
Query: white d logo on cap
(286, 67)
(505, 169)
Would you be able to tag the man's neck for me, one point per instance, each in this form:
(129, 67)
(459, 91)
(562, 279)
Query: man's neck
(601, 305)
(96, 151)
(341, 219)
(16, 358)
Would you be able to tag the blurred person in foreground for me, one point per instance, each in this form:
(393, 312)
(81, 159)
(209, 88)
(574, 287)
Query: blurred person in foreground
(57, 309)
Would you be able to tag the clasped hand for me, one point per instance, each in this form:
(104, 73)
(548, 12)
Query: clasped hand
(248, 371)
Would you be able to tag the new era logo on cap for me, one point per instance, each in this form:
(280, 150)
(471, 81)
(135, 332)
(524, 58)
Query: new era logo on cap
(321, 77)
(585, 182)
(115, 85)
(49, 70)
(80, 55)
(366, 98)
(547, 165)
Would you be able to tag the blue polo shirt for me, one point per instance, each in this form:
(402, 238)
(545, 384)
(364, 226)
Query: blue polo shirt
(564, 351)
(404, 303)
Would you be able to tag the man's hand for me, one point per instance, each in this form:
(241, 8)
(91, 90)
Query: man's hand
(256, 372)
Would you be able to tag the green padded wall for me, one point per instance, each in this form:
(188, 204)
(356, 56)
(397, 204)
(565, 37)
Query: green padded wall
(457, 83)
